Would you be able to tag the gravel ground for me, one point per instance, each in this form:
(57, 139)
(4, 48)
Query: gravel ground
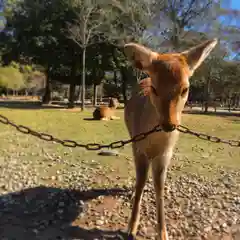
(78, 202)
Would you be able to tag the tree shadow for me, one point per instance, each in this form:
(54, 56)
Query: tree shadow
(29, 105)
(37, 105)
(43, 213)
(220, 114)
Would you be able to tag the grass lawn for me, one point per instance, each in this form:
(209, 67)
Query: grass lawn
(191, 154)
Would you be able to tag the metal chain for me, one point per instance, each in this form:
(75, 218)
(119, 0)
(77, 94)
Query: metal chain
(113, 145)
(203, 136)
(73, 144)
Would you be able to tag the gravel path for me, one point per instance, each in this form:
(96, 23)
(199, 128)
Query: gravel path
(38, 205)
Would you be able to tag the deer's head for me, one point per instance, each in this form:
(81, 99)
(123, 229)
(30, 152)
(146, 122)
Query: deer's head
(113, 102)
(168, 84)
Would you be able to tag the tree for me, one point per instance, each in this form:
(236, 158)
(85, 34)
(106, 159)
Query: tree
(132, 19)
(175, 25)
(38, 29)
(34, 29)
(11, 78)
(185, 23)
(85, 29)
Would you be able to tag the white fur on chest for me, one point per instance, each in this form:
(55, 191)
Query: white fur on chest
(160, 143)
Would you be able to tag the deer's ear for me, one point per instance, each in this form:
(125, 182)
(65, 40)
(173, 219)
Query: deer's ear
(140, 56)
(146, 86)
(196, 55)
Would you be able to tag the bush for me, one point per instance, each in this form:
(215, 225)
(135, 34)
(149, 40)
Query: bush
(11, 78)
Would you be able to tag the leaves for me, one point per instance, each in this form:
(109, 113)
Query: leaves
(11, 78)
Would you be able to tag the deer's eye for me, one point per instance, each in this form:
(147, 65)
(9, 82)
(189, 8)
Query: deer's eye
(184, 92)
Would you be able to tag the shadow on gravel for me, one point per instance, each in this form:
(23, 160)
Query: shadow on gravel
(45, 213)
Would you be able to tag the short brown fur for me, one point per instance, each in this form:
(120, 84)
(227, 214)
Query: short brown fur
(165, 94)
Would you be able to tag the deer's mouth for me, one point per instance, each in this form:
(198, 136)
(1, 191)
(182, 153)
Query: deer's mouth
(168, 127)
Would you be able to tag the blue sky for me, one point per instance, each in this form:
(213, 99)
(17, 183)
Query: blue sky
(231, 4)
(235, 4)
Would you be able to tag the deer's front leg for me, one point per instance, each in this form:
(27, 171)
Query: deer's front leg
(114, 117)
(159, 170)
(104, 119)
(142, 166)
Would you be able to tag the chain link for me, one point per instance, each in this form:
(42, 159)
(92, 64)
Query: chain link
(117, 144)
(214, 139)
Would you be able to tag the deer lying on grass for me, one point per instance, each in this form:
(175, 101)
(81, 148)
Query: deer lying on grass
(106, 113)
(166, 92)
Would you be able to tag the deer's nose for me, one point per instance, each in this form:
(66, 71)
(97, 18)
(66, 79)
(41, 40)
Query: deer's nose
(168, 127)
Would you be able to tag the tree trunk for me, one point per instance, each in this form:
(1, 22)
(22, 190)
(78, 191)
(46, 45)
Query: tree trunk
(124, 84)
(124, 90)
(65, 93)
(175, 43)
(229, 106)
(235, 99)
(72, 88)
(101, 96)
(95, 87)
(207, 88)
(176, 34)
(115, 77)
(229, 103)
(83, 79)
(48, 91)
(123, 78)
(71, 95)
(79, 93)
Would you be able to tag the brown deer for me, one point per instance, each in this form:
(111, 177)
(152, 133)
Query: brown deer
(106, 113)
(165, 94)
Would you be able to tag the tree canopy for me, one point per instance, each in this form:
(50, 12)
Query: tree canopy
(79, 42)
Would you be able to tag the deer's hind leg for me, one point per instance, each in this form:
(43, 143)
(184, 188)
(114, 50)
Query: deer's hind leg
(142, 167)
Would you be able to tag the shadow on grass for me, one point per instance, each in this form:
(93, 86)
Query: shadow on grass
(44, 213)
(220, 114)
(90, 119)
(28, 105)
(35, 105)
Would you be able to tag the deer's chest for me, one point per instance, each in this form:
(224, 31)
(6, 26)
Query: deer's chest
(158, 143)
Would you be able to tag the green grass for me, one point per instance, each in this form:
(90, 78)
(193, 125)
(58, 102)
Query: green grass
(192, 154)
